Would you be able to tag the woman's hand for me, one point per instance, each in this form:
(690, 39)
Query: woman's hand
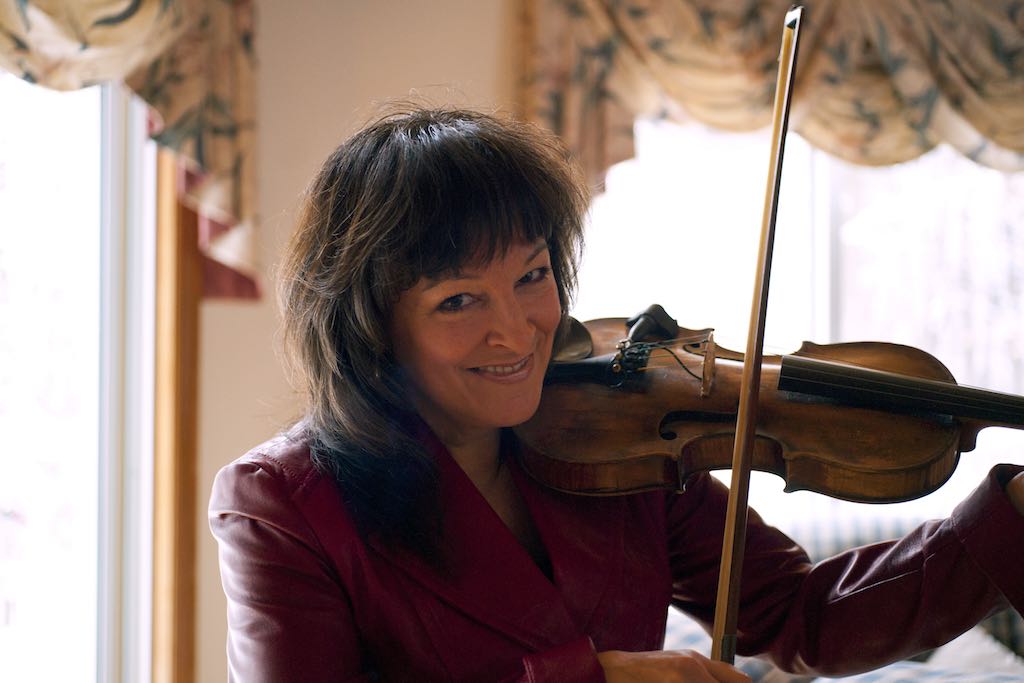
(1015, 490)
(682, 666)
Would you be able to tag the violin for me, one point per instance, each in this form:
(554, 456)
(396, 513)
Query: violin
(862, 421)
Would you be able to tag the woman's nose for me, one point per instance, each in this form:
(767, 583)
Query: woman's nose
(511, 326)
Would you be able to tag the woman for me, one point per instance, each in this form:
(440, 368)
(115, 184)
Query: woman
(391, 535)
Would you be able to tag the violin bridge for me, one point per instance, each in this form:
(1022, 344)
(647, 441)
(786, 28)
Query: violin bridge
(708, 366)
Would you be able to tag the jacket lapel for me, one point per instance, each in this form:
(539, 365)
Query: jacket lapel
(584, 539)
(490, 577)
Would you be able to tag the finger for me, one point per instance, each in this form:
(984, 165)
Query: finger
(1015, 489)
(722, 672)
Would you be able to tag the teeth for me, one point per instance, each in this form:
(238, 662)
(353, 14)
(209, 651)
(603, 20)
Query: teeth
(504, 369)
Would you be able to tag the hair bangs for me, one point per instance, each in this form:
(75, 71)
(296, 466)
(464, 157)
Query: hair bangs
(472, 203)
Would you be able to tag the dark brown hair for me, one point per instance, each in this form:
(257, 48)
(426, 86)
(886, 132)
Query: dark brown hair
(420, 192)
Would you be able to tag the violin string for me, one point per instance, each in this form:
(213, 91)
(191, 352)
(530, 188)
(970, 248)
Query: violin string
(664, 346)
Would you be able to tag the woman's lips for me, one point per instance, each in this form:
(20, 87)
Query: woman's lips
(508, 372)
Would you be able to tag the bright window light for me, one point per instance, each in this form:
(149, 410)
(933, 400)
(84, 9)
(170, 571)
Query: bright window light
(49, 380)
(76, 321)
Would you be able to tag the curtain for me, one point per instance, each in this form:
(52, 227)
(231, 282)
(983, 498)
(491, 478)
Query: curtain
(877, 83)
(192, 62)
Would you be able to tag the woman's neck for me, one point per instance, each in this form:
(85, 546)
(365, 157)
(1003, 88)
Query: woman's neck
(478, 454)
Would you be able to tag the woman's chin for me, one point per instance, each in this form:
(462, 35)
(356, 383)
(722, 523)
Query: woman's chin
(522, 414)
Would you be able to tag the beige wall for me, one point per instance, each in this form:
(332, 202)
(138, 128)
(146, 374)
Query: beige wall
(323, 66)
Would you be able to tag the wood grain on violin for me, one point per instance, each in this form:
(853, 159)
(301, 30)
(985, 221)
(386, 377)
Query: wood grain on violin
(862, 421)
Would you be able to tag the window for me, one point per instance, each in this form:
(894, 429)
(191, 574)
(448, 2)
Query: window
(75, 384)
(927, 253)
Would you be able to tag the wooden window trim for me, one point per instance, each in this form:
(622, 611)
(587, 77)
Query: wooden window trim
(178, 294)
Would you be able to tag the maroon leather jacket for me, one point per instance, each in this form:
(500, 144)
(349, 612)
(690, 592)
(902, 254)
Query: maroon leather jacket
(309, 601)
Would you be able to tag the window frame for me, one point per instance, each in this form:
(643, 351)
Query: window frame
(178, 295)
(127, 258)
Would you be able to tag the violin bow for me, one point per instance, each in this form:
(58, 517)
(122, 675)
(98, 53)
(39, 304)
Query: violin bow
(723, 635)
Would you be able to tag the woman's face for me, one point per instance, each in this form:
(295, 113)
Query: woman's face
(475, 345)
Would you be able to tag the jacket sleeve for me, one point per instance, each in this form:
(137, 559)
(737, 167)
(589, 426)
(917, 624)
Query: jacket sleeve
(865, 607)
(288, 618)
(573, 662)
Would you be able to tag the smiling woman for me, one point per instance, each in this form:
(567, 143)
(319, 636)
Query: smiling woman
(393, 533)
(450, 228)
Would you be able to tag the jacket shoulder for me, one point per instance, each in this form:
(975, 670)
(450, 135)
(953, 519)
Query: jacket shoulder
(276, 483)
(280, 470)
(286, 457)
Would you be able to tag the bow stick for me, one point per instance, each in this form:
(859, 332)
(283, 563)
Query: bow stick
(723, 635)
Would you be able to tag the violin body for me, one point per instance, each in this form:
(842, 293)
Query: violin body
(676, 416)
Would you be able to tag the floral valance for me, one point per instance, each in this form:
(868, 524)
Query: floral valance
(192, 62)
(877, 82)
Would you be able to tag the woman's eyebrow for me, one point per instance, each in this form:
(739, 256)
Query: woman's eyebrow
(541, 246)
(435, 280)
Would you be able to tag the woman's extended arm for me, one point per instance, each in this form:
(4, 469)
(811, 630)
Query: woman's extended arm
(868, 606)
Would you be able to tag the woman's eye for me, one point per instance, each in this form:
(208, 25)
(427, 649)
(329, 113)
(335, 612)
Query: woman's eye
(535, 275)
(455, 303)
